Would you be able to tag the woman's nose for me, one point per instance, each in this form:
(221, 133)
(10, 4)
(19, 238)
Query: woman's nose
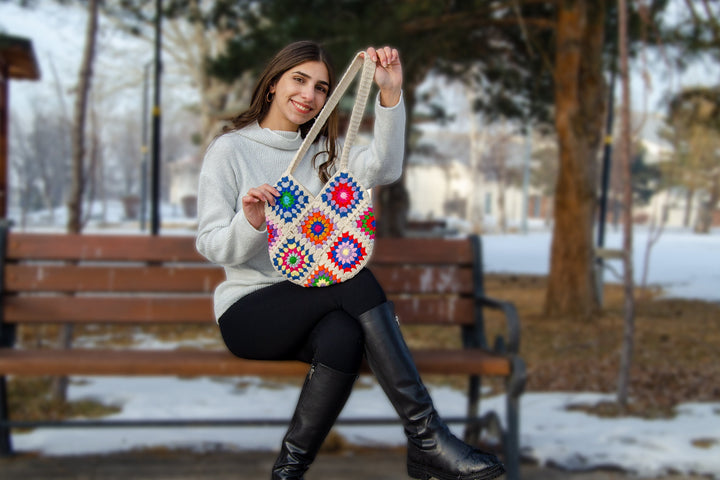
(308, 92)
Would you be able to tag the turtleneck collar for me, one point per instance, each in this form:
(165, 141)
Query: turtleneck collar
(275, 139)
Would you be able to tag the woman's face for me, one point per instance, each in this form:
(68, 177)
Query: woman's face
(298, 96)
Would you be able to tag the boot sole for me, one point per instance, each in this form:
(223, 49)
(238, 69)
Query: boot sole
(422, 472)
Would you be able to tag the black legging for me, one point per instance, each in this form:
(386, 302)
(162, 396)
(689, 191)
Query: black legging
(289, 322)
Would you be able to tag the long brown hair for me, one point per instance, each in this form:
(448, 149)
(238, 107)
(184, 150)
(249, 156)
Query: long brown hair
(287, 58)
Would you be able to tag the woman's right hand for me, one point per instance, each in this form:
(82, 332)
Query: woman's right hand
(253, 203)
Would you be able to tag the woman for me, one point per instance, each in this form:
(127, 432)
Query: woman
(261, 316)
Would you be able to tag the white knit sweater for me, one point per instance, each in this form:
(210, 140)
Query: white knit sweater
(252, 156)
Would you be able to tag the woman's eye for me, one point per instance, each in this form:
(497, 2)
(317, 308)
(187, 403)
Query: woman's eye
(322, 90)
(299, 79)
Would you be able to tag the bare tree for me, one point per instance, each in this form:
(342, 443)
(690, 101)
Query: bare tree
(693, 129)
(74, 224)
(656, 227)
(75, 201)
(39, 160)
(625, 156)
(496, 166)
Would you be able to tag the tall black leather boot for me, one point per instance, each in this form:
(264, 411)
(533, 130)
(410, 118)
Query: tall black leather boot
(322, 398)
(432, 450)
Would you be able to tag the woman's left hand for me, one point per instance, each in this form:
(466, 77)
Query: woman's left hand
(388, 74)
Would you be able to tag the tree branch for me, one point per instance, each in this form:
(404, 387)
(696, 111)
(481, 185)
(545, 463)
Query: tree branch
(461, 20)
(712, 21)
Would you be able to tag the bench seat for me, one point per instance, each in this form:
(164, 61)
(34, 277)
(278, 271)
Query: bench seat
(215, 362)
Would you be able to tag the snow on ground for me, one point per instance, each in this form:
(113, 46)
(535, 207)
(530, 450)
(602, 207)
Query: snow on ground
(549, 432)
(682, 263)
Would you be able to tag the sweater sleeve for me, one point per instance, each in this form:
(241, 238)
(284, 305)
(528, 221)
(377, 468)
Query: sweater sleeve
(381, 162)
(225, 237)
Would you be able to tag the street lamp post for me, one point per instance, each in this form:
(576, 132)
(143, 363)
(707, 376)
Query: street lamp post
(156, 113)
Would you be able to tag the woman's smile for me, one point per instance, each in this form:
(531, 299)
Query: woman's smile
(302, 108)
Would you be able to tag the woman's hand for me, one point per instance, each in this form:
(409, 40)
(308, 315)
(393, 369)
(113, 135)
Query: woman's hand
(253, 203)
(388, 74)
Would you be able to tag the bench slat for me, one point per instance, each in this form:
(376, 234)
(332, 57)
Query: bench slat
(434, 310)
(93, 278)
(179, 309)
(204, 279)
(90, 247)
(102, 247)
(413, 280)
(198, 362)
(430, 251)
(130, 309)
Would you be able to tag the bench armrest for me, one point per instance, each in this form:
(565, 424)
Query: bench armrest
(512, 321)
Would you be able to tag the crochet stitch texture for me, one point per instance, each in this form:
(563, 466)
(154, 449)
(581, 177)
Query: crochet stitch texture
(336, 230)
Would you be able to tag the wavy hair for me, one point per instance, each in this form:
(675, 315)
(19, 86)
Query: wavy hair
(287, 58)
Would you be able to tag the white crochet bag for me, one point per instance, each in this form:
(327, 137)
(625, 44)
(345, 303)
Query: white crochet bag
(327, 239)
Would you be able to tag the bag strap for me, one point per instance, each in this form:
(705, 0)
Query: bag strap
(363, 91)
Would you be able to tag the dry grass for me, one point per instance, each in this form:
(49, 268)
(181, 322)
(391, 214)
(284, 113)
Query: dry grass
(29, 398)
(675, 357)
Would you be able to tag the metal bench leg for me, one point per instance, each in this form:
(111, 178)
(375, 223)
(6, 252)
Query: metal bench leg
(472, 429)
(5, 439)
(515, 387)
(512, 438)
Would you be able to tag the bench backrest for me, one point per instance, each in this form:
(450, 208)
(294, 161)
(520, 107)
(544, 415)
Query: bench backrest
(60, 278)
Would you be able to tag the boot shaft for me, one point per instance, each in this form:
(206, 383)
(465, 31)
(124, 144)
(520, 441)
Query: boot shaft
(390, 360)
(321, 400)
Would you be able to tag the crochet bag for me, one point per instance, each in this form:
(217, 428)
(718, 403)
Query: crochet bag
(327, 239)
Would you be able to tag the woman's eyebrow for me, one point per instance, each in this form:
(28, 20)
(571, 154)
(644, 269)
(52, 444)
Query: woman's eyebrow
(305, 75)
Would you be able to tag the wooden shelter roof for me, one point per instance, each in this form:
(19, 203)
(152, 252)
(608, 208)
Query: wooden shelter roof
(18, 54)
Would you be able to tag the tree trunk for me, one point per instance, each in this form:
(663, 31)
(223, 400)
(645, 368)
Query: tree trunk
(93, 181)
(580, 103)
(474, 214)
(74, 224)
(705, 217)
(502, 211)
(688, 207)
(625, 157)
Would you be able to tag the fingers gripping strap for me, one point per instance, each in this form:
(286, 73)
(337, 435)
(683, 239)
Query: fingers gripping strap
(363, 92)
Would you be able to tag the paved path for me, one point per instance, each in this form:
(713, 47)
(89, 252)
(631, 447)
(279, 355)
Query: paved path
(161, 465)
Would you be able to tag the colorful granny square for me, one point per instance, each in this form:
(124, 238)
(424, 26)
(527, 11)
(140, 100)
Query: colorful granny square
(342, 194)
(366, 223)
(292, 260)
(316, 227)
(347, 253)
(322, 277)
(273, 234)
(292, 200)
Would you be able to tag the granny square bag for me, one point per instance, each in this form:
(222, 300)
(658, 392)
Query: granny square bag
(327, 239)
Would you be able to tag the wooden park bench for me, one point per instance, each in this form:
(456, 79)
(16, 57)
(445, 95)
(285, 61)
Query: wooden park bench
(140, 280)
